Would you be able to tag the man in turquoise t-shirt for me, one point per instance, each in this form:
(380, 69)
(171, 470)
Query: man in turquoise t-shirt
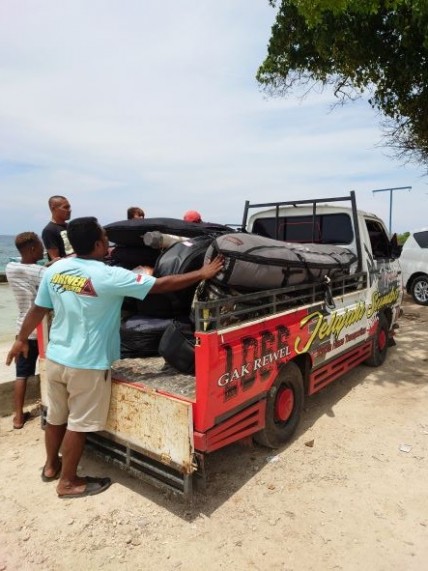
(86, 297)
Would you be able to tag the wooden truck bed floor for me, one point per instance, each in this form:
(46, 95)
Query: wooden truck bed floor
(154, 373)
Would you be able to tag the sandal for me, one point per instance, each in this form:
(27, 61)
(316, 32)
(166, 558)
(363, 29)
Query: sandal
(93, 486)
(55, 476)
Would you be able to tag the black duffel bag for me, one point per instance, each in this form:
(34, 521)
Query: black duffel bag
(140, 336)
(180, 258)
(177, 347)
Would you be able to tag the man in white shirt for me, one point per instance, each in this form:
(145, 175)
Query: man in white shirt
(24, 279)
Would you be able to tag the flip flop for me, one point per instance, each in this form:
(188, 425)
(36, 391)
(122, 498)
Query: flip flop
(55, 476)
(27, 417)
(93, 486)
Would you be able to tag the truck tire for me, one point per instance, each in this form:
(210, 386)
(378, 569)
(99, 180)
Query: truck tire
(380, 343)
(284, 405)
(419, 290)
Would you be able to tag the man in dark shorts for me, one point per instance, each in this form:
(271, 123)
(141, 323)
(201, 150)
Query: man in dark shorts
(24, 279)
(54, 234)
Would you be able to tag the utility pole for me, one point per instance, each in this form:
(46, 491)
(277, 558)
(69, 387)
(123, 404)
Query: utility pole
(391, 190)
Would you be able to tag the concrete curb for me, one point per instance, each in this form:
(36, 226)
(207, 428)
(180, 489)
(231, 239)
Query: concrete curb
(6, 395)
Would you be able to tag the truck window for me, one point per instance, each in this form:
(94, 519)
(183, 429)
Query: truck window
(329, 228)
(378, 239)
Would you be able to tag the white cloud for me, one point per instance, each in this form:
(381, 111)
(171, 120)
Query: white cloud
(155, 104)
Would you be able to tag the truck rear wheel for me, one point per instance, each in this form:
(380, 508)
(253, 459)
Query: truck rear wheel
(284, 405)
(380, 343)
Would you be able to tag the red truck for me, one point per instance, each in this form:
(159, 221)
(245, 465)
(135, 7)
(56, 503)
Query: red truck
(258, 356)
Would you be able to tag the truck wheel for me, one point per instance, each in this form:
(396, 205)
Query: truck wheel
(419, 290)
(380, 343)
(284, 405)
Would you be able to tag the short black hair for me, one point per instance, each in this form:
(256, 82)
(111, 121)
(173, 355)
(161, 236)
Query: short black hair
(133, 210)
(26, 239)
(54, 199)
(83, 233)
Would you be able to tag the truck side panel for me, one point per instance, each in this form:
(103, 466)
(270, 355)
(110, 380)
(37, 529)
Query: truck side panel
(236, 367)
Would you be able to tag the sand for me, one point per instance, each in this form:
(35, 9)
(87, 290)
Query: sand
(349, 492)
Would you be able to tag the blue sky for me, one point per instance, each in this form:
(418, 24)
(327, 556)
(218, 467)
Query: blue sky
(155, 104)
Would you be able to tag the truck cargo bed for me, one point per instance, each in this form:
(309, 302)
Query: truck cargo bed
(154, 373)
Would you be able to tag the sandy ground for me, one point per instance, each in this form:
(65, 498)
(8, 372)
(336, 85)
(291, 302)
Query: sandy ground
(356, 499)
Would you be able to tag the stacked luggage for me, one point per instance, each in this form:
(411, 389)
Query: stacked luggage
(161, 323)
(169, 246)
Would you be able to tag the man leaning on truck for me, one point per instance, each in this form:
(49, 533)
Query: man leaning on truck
(86, 296)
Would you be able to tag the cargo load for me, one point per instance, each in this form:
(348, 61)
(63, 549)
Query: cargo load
(180, 258)
(253, 262)
(140, 336)
(131, 232)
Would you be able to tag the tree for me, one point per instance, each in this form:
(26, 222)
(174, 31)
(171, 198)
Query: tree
(401, 238)
(377, 47)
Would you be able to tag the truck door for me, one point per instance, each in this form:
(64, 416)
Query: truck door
(384, 273)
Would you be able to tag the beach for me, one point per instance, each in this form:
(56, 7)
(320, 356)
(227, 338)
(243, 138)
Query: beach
(347, 493)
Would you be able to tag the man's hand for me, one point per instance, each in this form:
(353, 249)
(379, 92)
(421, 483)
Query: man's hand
(212, 268)
(143, 270)
(181, 281)
(17, 348)
(52, 262)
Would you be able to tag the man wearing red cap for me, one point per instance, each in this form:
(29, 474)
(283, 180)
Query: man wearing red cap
(192, 216)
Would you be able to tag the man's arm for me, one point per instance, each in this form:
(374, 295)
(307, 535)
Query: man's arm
(31, 321)
(52, 253)
(181, 281)
(51, 241)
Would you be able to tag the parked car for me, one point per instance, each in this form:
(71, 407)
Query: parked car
(414, 265)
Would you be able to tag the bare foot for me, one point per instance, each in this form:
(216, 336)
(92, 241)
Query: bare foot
(20, 419)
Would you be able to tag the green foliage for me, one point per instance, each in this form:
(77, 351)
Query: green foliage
(401, 238)
(379, 47)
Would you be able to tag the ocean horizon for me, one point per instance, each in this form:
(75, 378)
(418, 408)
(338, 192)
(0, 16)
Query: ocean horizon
(7, 250)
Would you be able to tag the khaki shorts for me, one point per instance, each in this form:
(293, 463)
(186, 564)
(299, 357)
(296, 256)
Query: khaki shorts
(79, 398)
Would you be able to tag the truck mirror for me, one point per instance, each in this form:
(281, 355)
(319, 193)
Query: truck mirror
(395, 247)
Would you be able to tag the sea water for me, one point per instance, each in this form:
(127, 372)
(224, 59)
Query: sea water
(8, 307)
(7, 250)
(8, 313)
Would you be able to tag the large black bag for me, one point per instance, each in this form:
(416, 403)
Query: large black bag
(253, 262)
(130, 257)
(131, 232)
(180, 258)
(177, 347)
(140, 336)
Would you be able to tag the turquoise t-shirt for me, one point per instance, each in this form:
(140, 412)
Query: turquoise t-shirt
(87, 296)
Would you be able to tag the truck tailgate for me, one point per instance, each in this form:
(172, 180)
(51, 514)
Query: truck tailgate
(161, 426)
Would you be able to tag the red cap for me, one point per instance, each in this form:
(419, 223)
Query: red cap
(192, 216)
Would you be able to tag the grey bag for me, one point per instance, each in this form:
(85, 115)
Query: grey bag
(254, 262)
